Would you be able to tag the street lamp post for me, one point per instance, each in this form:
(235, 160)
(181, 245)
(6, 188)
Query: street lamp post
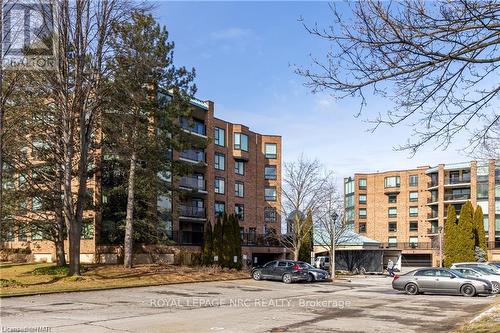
(440, 236)
(333, 244)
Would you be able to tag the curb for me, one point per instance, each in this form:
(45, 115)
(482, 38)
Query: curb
(112, 288)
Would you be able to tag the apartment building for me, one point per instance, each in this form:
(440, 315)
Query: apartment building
(406, 209)
(239, 171)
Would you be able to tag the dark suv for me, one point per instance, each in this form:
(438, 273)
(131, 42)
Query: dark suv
(284, 270)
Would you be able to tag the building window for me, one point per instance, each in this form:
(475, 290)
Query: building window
(348, 186)
(392, 212)
(239, 167)
(393, 181)
(413, 241)
(362, 227)
(220, 136)
(270, 214)
(239, 189)
(482, 190)
(87, 229)
(219, 208)
(362, 213)
(270, 193)
(413, 226)
(271, 150)
(36, 233)
(220, 161)
(413, 181)
(36, 204)
(362, 199)
(239, 211)
(392, 197)
(241, 141)
(270, 172)
(393, 241)
(393, 226)
(413, 211)
(413, 196)
(219, 185)
(362, 184)
(22, 236)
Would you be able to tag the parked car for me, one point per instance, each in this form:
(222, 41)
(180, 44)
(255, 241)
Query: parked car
(494, 263)
(482, 274)
(489, 267)
(440, 280)
(313, 273)
(287, 271)
(322, 262)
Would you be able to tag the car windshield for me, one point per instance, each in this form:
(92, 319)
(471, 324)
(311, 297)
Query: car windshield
(484, 270)
(305, 265)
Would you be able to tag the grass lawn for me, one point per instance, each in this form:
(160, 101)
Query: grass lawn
(17, 279)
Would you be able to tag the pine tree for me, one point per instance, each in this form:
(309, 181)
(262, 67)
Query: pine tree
(307, 245)
(450, 237)
(217, 241)
(236, 241)
(227, 242)
(208, 244)
(466, 233)
(479, 232)
(143, 74)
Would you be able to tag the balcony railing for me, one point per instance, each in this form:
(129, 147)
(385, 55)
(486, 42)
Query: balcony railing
(193, 126)
(409, 246)
(193, 155)
(457, 180)
(494, 244)
(192, 211)
(451, 196)
(252, 239)
(432, 215)
(432, 231)
(432, 183)
(431, 200)
(193, 182)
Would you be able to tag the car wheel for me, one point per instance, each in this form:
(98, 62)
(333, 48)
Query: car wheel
(310, 277)
(411, 289)
(257, 275)
(468, 290)
(495, 287)
(287, 278)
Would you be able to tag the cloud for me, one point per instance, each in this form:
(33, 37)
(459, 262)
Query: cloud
(230, 34)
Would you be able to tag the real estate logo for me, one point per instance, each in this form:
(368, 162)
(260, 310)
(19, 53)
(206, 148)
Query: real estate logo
(28, 35)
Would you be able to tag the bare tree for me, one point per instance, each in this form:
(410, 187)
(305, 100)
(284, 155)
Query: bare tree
(303, 187)
(330, 227)
(78, 90)
(436, 60)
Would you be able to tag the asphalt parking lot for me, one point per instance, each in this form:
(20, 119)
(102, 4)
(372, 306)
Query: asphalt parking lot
(363, 305)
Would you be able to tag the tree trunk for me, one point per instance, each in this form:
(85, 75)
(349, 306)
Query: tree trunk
(129, 224)
(59, 240)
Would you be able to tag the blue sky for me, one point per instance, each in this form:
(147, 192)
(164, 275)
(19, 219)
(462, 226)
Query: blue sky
(243, 53)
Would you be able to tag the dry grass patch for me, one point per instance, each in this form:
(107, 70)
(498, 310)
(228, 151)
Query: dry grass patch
(43, 278)
(490, 323)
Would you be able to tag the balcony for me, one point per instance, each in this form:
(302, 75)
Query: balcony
(253, 239)
(494, 245)
(456, 197)
(432, 183)
(194, 127)
(433, 231)
(192, 212)
(409, 246)
(457, 180)
(191, 155)
(432, 200)
(194, 183)
(433, 215)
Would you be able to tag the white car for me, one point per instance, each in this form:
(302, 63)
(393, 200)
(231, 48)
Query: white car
(322, 262)
(477, 272)
(484, 266)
